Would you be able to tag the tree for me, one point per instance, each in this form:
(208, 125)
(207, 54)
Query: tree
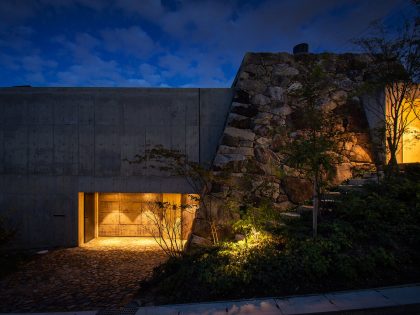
(200, 180)
(316, 148)
(395, 67)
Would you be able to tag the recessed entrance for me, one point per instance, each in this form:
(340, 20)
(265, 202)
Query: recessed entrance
(134, 215)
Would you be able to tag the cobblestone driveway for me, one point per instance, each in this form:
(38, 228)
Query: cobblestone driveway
(104, 273)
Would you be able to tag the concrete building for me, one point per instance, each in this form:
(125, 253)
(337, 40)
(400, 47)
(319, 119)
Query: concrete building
(65, 175)
(65, 149)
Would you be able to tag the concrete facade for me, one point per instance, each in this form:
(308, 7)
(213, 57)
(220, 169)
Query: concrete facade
(56, 142)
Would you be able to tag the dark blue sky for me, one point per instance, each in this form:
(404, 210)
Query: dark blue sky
(177, 43)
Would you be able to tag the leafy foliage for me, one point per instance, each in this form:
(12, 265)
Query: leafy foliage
(373, 238)
(317, 147)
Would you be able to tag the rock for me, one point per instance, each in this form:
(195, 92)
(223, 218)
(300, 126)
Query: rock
(285, 110)
(359, 154)
(247, 110)
(239, 237)
(343, 172)
(348, 146)
(328, 105)
(282, 198)
(243, 76)
(275, 93)
(294, 87)
(239, 121)
(253, 86)
(200, 241)
(255, 70)
(241, 134)
(297, 189)
(262, 155)
(224, 149)
(283, 206)
(241, 97)
(223, 159)
(261, 130)
(263, 141)
(340, 97)
(278, 142)
(260, 99)
(246, 144)
(346, 84)
(263, 118)
(285, 70)
(279, 121)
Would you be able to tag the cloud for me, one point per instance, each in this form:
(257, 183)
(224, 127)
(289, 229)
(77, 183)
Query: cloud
(34, 63)
(171, 42)
(150, 74)
(148, 9)
(132, 40)
(14, 12)
(90, 66)
(64, 4)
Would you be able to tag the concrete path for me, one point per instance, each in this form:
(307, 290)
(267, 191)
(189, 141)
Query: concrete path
(400, 298)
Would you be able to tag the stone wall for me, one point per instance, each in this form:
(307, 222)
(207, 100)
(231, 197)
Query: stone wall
(251, 144)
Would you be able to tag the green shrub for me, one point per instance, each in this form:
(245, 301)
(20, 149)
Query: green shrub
(372, 238)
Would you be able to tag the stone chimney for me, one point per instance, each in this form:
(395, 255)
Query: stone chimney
(301, 49)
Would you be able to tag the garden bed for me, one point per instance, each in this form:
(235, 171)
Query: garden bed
(371, 239)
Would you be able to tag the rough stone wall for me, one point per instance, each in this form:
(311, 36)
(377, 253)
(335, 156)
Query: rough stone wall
(250, 146)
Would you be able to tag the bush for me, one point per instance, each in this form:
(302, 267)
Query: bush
(373, 238)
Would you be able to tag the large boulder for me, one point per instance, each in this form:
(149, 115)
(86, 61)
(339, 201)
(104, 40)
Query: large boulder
(360, 154)
(242, 134)
(239, 121)
(297, 189)
(343, 172)
(247, 110)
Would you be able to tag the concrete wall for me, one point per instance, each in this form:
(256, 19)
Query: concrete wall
(56, 142)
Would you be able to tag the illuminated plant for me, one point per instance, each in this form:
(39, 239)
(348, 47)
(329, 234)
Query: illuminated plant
(168, 227)
(198, 178)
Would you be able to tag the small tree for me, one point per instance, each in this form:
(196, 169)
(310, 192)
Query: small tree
(167, 225)
(315, 149)
(395, 67)
(199, 179)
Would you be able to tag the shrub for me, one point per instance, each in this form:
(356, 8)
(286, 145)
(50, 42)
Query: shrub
(372, 238)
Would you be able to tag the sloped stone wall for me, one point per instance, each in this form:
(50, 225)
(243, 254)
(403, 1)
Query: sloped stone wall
(251, 144)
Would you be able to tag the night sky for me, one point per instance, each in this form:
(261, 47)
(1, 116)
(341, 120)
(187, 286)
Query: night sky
(179, 43)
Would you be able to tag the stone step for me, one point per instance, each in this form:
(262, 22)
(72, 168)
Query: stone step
(362, 181)
(347, 188)
(357, 181)
(331, 196)
(290, 215)
(304, 208)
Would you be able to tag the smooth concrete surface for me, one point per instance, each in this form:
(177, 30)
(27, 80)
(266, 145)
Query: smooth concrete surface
(56, 142)
(403, 299)
(345, 302)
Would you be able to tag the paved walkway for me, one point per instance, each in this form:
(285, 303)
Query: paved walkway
(390, 300)
(104, 273)
(404, 300)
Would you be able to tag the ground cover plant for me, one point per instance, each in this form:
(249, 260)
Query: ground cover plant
(372, 238)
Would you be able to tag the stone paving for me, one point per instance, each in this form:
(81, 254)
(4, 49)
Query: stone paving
(103, 273)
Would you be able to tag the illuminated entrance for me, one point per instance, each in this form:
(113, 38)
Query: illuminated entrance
(134, 214)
